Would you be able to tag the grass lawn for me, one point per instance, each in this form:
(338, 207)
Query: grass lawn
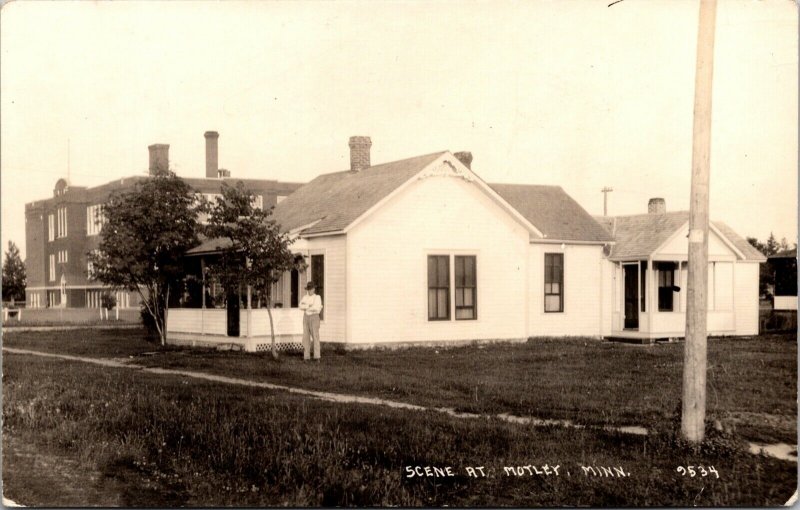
(752, 383)
(109, 437)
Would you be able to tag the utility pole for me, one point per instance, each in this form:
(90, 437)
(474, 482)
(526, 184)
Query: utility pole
(695, 350)
(605, 191)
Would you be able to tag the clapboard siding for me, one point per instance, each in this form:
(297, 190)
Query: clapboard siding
(334, 248)
(582, 287)
(387, 259)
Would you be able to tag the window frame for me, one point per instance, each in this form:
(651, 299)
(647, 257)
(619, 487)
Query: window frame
(560, 282)
(438, 288)
(660, 270)
(457, 286)
(51, 267)
(51, 227)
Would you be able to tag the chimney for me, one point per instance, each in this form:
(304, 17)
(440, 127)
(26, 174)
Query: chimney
(212, 154)
(657, 206)
(465, 158)
(159, 158)
(359, 153)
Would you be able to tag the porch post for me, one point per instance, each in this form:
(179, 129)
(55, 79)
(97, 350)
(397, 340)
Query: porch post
(203, 305)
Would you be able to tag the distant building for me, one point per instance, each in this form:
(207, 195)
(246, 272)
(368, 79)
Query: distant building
(60, 231)
(784, 266)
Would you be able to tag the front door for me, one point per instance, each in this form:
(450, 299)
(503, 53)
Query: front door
(631, 296)
(233, 313)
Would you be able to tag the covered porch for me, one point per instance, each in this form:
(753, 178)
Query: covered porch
(203, 314)
(649, 301)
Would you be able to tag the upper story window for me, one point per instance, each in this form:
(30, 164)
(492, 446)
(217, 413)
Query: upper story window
(51, 227)
(94, 219)
(61, 227)
(211, 198)
(63, 256)
(553, 282)
(52, 272)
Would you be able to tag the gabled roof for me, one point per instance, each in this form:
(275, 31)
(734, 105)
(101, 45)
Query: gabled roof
(331, 202)
(641, 235)
(335, 200)
(557, 215)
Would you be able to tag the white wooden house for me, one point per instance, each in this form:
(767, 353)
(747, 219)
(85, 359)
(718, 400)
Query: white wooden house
(423, 250)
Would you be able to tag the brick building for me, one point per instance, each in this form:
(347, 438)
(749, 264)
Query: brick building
(60, 231)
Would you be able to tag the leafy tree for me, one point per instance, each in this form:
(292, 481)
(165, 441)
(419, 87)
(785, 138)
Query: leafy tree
(146, 232)
(252, 249)
(14, 279)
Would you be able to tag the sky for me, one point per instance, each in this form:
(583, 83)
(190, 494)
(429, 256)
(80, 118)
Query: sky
(574, 93)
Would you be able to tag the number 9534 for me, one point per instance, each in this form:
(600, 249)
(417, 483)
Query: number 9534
(701, 471)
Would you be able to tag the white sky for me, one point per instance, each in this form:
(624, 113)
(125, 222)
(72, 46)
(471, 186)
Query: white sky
(568, 92)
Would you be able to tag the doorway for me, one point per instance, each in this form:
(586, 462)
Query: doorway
(631, 293)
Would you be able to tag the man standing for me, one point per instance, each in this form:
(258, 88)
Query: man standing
(312, 305)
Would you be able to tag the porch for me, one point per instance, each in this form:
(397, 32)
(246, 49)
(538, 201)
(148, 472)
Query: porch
(650, 299)
(209, 327)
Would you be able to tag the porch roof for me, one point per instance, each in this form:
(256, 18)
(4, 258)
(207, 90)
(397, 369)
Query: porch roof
(640, 235)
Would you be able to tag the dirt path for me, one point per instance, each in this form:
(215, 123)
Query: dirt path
(355, 399)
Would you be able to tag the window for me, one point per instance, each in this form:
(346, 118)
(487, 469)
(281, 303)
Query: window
(438, 287)
(318, 277)
(211, 198)
(94, 219)
(52, 273)
(666, 282)
(553, 282)
(466, 288)
(258, 202)
(51, 227)
(62, 256)
(643, 277)
(61, 230)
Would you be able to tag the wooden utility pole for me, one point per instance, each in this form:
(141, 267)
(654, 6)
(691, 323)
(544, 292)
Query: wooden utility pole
(695, 350)
(605, 191)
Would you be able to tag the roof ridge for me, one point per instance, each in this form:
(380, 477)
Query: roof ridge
(641, 214)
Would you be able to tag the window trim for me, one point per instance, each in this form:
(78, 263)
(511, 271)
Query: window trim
(560, 282)
(448, 304)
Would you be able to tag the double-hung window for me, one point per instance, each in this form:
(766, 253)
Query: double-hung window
(51, 227)
(466, 287)
(438, 287)
(553, 282)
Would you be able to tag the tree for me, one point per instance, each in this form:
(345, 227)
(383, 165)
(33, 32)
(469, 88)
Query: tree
(252, 249)
(146, 231)
(14, 279)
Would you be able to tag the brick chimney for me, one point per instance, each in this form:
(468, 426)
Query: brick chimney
(212, 154)
(657, 206)
(159, 158)
(359, 152)
(465, 158)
